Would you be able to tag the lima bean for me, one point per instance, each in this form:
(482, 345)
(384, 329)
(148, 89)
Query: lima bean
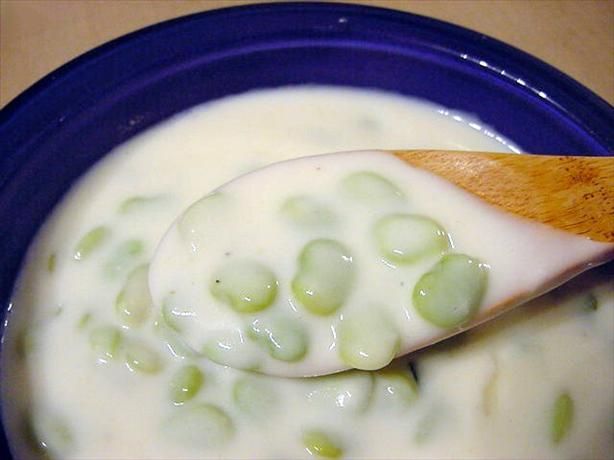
(325, 276)
(52, 262)
(349, 391)
(284, 339)
(49, 433)
(244, 285)
(321, 444)
(367, 339)
(195, 223)
(562, 417)
(106, 341)
(396, 387)
(306, 211)
(370, 188)
(590, 303)
(136, 202)
(173, 315)
(84, 320)
(230, 348)
(90, 242)
(407, 238)
(133, 303)
(140, 357)
(451, 292)
(186, 383)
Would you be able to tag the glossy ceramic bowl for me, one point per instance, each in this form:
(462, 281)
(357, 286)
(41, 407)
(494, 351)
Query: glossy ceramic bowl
(63, 124)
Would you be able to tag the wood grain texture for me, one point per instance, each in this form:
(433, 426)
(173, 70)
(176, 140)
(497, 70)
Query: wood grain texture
(575, 194)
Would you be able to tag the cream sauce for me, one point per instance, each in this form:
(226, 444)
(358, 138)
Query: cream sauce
(494, 393)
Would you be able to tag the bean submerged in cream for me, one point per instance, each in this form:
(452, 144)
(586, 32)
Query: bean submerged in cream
(92, 370)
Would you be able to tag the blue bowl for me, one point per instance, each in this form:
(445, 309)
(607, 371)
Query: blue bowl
(63, 124)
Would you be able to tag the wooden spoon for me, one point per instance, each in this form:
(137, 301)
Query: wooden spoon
(572, 193)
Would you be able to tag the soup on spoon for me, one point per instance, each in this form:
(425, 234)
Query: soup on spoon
(312, 266)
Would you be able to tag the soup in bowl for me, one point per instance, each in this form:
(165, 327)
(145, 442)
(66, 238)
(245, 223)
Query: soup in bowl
(103, 160)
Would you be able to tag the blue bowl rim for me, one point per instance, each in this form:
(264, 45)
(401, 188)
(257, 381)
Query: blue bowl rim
(592, 112)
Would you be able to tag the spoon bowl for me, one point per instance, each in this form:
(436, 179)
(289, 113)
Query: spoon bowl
(349, 260)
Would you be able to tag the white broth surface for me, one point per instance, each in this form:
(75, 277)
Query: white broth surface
(91, 369)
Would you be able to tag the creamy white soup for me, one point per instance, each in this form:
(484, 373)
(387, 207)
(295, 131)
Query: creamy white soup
(92, 369)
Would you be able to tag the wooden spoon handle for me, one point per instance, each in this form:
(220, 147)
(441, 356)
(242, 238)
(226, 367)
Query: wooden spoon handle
(571, 193)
